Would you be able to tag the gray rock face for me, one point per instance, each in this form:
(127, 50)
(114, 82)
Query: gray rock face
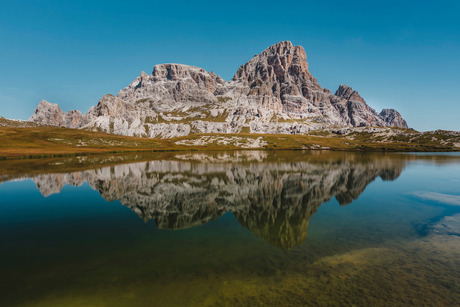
(50, 114)
(393, 118)
(173, 83)
(280, 73)
(346, 92)
(359, 113)
(272, 93)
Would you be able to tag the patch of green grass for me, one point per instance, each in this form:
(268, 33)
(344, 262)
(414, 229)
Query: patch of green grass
(223, 99)
(218, 118)
(141, 100)
(150, 120)
(191, 115)
(287, 120)
(320, 132)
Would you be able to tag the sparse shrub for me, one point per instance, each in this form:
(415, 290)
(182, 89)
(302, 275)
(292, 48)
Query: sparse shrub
(141, 100)
(223, 99)
(245, 130)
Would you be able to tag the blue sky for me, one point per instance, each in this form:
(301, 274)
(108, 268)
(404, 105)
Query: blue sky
(397, 54)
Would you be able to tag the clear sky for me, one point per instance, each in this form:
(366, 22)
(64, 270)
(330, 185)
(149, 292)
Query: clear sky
(397, 54)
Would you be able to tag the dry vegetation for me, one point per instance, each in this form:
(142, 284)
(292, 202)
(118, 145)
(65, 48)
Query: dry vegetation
(4, 122)
(45, 142)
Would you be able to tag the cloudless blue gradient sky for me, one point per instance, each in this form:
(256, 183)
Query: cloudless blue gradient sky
(397, 54)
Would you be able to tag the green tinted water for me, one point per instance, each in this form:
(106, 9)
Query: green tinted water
(237, 228)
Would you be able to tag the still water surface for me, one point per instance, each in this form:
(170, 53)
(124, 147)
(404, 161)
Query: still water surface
(233, 228)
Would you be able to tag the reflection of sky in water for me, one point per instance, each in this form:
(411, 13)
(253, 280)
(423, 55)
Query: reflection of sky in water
(44, 238)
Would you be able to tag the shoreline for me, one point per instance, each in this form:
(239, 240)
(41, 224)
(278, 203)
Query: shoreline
(54, 142)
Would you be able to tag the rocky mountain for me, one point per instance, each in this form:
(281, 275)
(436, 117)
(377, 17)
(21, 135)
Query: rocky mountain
(274, 200)
(51, 114)
(272, 93)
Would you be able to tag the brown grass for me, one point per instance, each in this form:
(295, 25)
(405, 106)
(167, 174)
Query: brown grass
(43, 142)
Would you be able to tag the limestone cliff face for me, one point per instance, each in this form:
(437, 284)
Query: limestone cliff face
(51, 114)
(272, 93)
(348, 93)
(172, 83)
(276, 75)
(273, 200)
(48, 113)
(393, 118)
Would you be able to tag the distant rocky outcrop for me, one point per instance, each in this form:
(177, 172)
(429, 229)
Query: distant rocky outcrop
(272, 93)
(274, 200)
(393, 118)
(51, 114)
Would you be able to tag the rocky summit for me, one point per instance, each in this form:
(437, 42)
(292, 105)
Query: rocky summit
(273, 93)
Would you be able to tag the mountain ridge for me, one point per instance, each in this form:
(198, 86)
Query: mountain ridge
(273, 93)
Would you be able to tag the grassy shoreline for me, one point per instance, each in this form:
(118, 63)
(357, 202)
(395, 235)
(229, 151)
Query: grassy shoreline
(51, 142)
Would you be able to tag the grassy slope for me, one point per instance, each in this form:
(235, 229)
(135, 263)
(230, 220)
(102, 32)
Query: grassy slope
(52, 141)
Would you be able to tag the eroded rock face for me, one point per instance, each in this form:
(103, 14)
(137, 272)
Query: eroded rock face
(50, 114)
(393, 118)
(276, 75)
(346, 92)
(273, 200)
(272, 93)
(173, 83)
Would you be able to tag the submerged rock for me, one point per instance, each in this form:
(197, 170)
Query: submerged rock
(449, 225)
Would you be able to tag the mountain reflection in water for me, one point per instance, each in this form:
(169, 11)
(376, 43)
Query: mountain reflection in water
(274, 200)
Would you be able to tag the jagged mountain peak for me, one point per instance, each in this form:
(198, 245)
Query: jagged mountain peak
(173, 71)
(171, 82)
(282, 49)
(280, 45)
(345, 91)
(48, 105)
(274, 92)
(144, 74)
(48, 113)
(393, 118)
(277, 61)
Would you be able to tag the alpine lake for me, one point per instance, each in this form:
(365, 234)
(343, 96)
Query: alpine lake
(244, 228)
